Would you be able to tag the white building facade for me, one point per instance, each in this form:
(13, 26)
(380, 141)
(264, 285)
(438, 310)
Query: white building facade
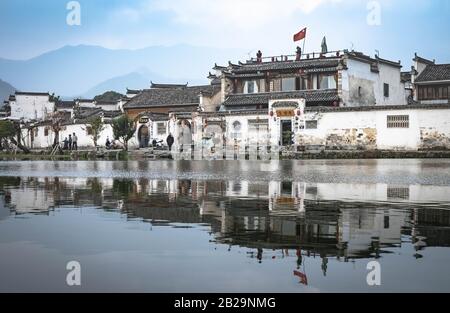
(31, 105)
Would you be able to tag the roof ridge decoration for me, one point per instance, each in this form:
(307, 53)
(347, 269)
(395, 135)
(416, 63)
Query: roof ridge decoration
(417, 58)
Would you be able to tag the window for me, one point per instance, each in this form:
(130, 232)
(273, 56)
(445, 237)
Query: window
(161, 128)
(89, 130)
(288, 84)
(36, 132)
(250, 87)
(46, 131)
(386, 90)
(398, 193)
(359, 91)
(386, 222)
(398, 121)
(327, 82)
(311, 125)
(275, 85)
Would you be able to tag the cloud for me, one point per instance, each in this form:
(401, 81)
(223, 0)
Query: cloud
(231, 13)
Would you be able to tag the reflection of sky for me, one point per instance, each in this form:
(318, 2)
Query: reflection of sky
(100, 222)
(117, 255)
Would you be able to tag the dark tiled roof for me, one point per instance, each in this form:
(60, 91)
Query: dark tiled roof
(423, 60)
(133, 91)
(328, 95)
(380, 108)
(287, 65)
(23, 93)
(112, 114)
(362, 57)
(434, 72)
(168, 86)
(155, 117)
(65, 104)
(219, 67)
(165, 97)
(328, 109)
(86, 114)
(246, 75)
(85, 100)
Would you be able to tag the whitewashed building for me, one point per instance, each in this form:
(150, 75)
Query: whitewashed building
(31, 105)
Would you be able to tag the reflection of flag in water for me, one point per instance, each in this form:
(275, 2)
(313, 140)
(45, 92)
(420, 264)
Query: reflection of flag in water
(303, 278)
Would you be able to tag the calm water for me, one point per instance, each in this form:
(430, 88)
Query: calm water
(236, 226)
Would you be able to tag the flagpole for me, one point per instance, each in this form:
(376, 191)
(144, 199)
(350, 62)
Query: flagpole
(304, 41)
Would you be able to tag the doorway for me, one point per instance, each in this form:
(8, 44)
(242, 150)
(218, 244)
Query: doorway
(286, 132)
(144, 136)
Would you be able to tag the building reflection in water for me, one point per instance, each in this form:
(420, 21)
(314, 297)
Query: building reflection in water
(342, 221)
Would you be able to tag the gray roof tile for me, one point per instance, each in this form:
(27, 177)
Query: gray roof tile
(287, 65)
(434, 72)
(327, 95)
(158, 97)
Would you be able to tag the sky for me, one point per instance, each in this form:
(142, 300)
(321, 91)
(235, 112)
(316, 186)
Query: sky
(396, 28)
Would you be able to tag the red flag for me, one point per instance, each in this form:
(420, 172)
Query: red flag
(303, 278)
(300, 35)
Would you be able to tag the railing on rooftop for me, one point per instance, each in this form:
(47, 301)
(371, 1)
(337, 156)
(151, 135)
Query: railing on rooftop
(293, 57)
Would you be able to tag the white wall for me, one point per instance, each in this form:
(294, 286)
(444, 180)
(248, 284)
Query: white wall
(84, 140)
(434, 120)
(359, 74)
(31, 107)
(108, 107)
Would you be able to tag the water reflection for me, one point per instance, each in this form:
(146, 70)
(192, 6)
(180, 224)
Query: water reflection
(341, 221)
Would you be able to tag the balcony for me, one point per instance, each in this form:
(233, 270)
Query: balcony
(293, 57)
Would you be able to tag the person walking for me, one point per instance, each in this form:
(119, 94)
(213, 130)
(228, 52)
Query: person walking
(70, 142)
(74, 142)
(170, 141)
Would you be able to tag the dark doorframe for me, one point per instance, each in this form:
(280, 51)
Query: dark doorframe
(286, 132)
(144, 136)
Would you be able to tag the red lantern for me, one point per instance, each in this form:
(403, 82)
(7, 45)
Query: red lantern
(271, 113)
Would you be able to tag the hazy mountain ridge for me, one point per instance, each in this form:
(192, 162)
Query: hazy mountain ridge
(79, 70)
(5, 90)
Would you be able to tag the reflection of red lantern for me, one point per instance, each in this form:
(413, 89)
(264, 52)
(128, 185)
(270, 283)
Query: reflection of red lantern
(299, 112)
(271, 113)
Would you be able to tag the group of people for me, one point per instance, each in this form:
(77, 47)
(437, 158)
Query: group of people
(70, 143)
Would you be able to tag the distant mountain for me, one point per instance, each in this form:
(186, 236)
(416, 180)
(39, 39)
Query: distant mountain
(5, 90)
(73, 70)
(140, 79)
(119, 84)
